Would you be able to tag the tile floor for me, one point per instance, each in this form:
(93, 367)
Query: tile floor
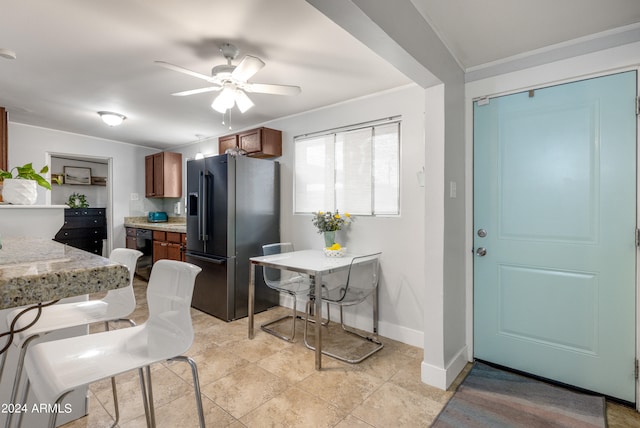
(267, 382)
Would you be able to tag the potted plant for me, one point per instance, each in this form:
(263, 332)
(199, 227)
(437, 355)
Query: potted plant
(21, 188)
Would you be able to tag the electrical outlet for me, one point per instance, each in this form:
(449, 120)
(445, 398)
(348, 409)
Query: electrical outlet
(135, 197)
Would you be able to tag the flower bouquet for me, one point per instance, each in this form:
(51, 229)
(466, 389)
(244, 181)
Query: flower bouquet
(327, 223)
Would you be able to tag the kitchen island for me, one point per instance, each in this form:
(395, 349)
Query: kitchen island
(35, 270)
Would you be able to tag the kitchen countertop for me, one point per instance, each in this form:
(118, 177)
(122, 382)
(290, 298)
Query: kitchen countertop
(35, 270)
(175, 224)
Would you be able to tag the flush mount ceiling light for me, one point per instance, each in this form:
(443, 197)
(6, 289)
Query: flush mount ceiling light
(7, 54)
(111, 119)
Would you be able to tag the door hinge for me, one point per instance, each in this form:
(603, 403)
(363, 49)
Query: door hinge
(637, 237)
(636, 372)
(637, 106)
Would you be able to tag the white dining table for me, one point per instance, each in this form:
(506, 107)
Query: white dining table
(311, 262)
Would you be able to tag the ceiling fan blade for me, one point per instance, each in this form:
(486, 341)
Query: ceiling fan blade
(247, 68)
(184, 70)
(197, 91)
(266, 88)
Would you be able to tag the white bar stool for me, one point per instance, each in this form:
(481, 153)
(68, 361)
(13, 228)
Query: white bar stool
(57, 367)
(116, 305)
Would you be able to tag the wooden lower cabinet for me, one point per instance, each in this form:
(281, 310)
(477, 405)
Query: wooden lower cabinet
(168, 245)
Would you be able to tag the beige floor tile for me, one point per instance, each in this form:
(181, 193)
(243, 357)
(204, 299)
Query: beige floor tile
(182, 413)
(166, 387)
(293, 363)
(97, 416)
(256, 349)
(294, 408)
(212, 365)
(345, 389)
(409, 378)
(244, 390)
(394, 406)
(352, 422)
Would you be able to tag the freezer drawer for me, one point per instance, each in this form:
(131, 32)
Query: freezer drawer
(213, 289)
(221, 289)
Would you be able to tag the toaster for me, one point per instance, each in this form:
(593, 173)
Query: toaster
(157, 217)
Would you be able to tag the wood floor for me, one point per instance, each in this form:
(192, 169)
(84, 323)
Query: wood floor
(269, 382)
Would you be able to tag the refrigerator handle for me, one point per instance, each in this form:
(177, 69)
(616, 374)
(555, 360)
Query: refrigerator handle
(201, 205)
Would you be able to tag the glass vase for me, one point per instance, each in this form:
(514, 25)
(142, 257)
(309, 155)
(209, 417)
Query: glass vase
(329, 238)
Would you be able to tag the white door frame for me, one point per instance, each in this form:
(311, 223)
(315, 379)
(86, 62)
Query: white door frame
(519, 82)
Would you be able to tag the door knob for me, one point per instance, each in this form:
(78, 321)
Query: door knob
(481, 252)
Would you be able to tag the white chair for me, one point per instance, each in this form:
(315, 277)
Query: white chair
(116, 305)
(57, 367)
(360, 282)
(288, 282)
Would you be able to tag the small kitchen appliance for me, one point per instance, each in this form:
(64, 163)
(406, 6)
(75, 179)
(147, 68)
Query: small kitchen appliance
(157, 217)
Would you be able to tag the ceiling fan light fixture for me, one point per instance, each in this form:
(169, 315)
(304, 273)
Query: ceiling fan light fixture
(225, 100)
(111, 118)
(243, 102)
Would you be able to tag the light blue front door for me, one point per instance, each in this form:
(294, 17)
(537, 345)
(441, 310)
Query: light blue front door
(555, 217)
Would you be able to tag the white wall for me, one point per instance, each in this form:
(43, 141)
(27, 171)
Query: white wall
(400, 238)
(96, 196)
(32, 144)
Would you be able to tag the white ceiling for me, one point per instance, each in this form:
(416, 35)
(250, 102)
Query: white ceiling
(77, 57)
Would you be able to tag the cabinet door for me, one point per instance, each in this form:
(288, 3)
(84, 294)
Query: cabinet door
(148, 176)
(163, 175)
(159, 250)
(227, 142)
(174, 251)
(251, 141)
(158, 174)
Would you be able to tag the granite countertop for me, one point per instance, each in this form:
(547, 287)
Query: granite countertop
(175, 224)
(34, 270)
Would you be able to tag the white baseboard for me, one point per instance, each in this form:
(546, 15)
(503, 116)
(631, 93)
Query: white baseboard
(443, 377)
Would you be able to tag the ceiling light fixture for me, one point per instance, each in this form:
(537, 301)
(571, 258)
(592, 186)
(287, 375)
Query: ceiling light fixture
(111, 119)
(7, 54)
(229, 96)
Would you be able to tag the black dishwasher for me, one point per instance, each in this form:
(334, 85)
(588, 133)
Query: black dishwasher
(141, 240)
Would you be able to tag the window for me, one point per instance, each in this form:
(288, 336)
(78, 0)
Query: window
(353, 170)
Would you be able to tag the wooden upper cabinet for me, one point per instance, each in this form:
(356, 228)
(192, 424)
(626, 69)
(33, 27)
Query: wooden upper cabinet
(163, 175)
(227, 142)
(259, 142)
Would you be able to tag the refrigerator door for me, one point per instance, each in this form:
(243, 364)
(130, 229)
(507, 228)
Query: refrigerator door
(257, 222)
(207, 206)
(214, 285)
(194, 207)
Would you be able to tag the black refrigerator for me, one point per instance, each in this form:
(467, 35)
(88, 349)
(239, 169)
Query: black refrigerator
(233, 208)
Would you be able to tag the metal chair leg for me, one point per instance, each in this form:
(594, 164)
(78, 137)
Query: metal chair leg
(18, 377)
(113, 379)
(196, 386)
(293, 317)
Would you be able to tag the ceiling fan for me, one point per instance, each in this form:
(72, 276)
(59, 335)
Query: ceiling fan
(232, 81)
